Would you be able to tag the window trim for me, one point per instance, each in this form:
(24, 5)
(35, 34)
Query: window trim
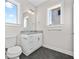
(52, 8)
(18, 14)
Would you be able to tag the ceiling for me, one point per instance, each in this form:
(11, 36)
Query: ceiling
(36, 2)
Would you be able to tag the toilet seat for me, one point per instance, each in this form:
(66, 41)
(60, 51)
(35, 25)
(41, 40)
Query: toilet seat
(14, 51)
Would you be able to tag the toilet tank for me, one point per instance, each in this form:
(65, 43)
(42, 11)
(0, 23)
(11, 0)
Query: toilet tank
(10, 40)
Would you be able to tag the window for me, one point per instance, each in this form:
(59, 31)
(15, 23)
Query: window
(11, 12)
(54, 16)
(25, 21)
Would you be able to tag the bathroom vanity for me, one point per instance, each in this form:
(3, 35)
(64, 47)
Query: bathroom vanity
(30, 41)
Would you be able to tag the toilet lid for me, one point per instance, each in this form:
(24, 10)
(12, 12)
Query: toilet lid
(14, 50)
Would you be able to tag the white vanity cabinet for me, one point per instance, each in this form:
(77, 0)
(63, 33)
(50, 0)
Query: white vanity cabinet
(31, 42)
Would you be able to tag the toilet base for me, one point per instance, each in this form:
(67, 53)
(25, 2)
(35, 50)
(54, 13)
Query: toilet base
(15, 58)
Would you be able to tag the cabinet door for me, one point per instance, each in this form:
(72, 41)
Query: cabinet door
(27, 43)
(38, 40)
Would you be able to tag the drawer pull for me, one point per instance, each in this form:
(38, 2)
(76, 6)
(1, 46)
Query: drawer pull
(25, 38)
(38, 38)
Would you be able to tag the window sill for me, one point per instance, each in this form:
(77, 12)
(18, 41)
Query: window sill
(55, 26)
(12, 25)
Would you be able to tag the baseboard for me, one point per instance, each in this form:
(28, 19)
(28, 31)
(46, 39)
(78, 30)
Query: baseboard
(59, 50)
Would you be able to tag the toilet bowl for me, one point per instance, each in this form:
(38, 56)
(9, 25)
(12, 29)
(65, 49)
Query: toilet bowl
(14, 52)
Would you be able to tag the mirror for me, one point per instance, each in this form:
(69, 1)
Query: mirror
(29, 20)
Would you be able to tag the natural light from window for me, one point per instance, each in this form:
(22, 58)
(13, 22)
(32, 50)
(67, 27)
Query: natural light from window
(11, 15)
(54, 16)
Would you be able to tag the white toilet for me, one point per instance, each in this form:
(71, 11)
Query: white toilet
(13, 51)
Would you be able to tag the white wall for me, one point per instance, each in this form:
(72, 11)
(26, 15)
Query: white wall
(59, 39)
